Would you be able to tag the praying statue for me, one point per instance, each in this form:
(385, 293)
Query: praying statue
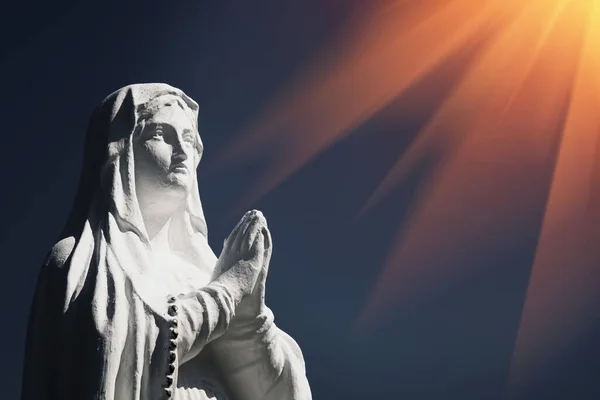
(131, 303)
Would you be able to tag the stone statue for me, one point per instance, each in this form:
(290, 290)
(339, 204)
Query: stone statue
(131, 302)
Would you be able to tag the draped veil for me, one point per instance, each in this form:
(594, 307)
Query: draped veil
(96, 322)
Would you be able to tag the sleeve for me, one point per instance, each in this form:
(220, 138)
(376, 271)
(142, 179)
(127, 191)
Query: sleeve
(199, 318)
(259, 361)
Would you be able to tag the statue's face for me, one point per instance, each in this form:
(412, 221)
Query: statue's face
(165, 153)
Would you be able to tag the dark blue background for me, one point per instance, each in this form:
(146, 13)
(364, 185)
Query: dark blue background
(59, 59)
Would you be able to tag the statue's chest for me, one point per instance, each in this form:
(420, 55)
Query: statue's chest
(178, 275)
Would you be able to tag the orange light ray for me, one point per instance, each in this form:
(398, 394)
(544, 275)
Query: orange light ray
(488, 181)
(565, 278)
(487, 91)
(350, 86)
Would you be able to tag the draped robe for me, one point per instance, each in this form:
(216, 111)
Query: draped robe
(108, 322)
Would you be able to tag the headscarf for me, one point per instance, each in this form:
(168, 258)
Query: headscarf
(94, 291)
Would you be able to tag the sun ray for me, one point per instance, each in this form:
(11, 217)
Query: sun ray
(491, 84)
(369, 71)
(564, 284)
(490, 179)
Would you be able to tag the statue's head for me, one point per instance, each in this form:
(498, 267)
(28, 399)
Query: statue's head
(142, 144)
(142, 148)
(167, 149)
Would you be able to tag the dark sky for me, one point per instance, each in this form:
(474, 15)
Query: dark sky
(59, 59)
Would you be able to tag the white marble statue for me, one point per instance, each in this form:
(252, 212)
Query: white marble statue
(131, 303)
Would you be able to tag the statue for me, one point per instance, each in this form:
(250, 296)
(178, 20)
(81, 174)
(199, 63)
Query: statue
(131, 302)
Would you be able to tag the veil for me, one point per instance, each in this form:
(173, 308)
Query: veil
(92, 291)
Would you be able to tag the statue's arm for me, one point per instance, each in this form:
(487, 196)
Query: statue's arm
(202, 316)
(207, 313)
(259, 361)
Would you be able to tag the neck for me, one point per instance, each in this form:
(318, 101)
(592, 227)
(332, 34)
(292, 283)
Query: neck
(157, 217)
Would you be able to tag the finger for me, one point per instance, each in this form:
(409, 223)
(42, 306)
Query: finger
(266, 255)
(252, 215)
(238, 227)
(262, 217)
(256, 251)
(268, 247)
(263, 225)
(250, 235)
(237, 240)
(257, 226)
(268, 240)
(247, 234)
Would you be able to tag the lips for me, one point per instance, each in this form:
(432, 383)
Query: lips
(179, 168)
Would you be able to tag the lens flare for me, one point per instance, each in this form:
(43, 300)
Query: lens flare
(520, 131)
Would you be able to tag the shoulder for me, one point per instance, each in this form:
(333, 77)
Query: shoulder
(60, 252)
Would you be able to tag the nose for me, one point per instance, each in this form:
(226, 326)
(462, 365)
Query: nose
(179, 148)
(179, 156)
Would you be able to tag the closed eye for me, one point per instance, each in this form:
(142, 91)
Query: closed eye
(188, 137)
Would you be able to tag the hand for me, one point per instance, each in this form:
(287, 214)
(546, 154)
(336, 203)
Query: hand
(254, 304)
(242, 258)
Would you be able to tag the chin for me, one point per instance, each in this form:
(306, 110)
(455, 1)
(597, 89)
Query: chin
(178, 186)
